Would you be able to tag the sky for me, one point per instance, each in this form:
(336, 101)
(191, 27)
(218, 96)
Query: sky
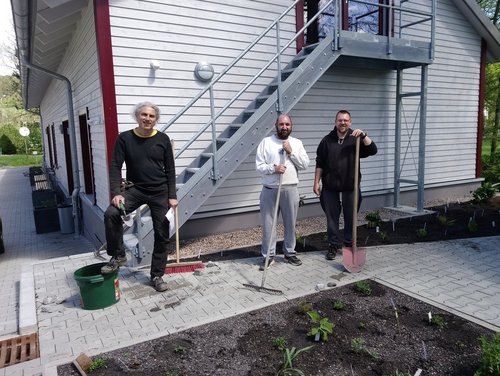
(6, 35)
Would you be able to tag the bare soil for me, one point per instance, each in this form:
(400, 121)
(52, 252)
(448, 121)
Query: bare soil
(368, 338)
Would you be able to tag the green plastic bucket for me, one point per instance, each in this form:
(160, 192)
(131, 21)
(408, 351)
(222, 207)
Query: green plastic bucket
(97, 290)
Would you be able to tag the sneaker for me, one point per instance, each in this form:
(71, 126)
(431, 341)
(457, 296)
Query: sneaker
(269, 263)
(114, 264)
(159, 284)
(293, 260)
(332, 252)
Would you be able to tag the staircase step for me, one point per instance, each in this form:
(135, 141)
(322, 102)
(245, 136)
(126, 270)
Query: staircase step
(192, 170)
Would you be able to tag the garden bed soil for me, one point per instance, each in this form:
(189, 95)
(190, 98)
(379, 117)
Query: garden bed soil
(368, 337)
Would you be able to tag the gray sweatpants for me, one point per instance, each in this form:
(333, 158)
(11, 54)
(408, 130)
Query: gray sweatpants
(288, 207)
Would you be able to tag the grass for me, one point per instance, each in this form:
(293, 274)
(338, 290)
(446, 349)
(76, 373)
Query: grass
(20, 160)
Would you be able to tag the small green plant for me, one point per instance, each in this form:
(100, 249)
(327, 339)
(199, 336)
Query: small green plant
(304, 307)
(96, 364)
(357, 345)
(363, 288)
(289, 355)
(444, 221)
(172, 373)
(280, 343)
(324, 328)
(383, 235)
(338, 305)
(361, 325)
(422, 232)
(373, 219)
(484, 192)
(439, 321)
(490, 358)
(179, 349)
(473, 226)
(300, 239)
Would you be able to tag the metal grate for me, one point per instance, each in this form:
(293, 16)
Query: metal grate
(18, 350)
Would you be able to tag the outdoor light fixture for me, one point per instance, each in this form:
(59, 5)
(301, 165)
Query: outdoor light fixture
(155, 64)
(204, 71)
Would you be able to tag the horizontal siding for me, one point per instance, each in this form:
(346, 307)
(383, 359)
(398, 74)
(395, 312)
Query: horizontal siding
(80, 66)
(453, 93)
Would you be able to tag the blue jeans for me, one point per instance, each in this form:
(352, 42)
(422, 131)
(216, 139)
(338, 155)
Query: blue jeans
(158, 205)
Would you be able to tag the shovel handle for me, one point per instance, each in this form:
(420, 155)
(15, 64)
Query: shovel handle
(355, 198)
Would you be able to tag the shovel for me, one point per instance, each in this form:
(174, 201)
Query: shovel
(126, 218)
(354, 258)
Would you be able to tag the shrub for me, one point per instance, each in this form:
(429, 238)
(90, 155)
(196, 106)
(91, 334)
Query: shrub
(486, 191)
(373, 219)
(490, 360)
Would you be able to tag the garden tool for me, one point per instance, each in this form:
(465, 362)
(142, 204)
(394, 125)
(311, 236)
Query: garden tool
(354, 258)
(126, 218)
(273, 228)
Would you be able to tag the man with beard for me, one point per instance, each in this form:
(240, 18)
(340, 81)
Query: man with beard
(280, 156)
(335, 158)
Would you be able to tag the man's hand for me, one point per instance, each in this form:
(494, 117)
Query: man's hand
(279, 168)
(172, 203)
(287, 147)
(316, 188)
(118, 200)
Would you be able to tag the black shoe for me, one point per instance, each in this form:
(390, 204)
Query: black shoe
(332, 252)
(293, 260)
(269, 263)
(114, 264)
(159, 284)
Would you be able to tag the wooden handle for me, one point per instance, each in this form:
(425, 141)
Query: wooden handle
(355, 198)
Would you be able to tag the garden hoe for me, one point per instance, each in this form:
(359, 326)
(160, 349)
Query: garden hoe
(353, 257)
(273, 228)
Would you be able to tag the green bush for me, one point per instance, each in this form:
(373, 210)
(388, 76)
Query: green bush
(490, 360)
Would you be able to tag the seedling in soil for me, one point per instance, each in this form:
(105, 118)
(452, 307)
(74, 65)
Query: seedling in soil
(304, 307)
(422, 232)
(324, 328)
(373, 219)
(361, 325)
(383, 236)
(358, 347)
(338, 305)
(289, 356)
(439, 321)
(179, 349)
(300, 239)
(363, 288)
(472, 226)
(490, 359)
(446, 222)
(172, 373)
(397, 373)
(97, 364)
(280, 343)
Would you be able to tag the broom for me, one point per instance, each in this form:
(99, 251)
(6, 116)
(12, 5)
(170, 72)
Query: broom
(180, 267)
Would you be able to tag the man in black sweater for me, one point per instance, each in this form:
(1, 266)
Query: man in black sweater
(149, 160)
(335, 158)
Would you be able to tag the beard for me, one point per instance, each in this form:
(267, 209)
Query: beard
(283, 134)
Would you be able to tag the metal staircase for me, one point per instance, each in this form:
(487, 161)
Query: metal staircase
(207, 172)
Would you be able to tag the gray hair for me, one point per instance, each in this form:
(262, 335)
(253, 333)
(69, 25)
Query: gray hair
(139, 106)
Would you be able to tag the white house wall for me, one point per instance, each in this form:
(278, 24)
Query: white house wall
(452, 108)
(178, 35)
(80, 66)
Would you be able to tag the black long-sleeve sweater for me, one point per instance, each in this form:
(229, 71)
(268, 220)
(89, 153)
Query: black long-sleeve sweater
(337, 160)
(149, 161)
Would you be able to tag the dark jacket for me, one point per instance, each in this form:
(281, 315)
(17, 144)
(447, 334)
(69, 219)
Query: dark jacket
(337, 160)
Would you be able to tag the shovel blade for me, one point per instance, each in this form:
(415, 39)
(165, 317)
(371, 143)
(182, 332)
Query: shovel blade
(353, 259)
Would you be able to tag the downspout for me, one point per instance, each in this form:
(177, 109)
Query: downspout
(72, 133)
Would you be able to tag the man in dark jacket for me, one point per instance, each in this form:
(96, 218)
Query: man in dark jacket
(149, 159)
(335, 158)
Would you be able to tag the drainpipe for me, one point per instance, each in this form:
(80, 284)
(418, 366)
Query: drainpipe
(72, 133)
